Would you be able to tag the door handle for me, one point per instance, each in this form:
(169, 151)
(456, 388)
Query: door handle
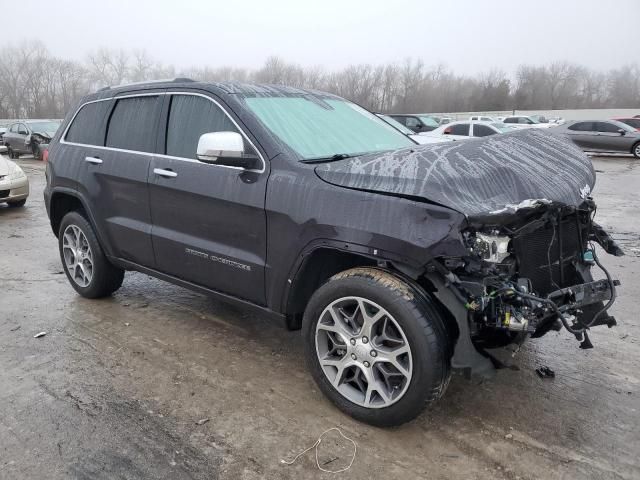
(94, 160)
(165, 173)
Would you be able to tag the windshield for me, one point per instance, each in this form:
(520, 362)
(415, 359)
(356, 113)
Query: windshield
(428, 121)
(623, 125)
(44, 126)
(317, 128)
(633, 122)
(396, 124)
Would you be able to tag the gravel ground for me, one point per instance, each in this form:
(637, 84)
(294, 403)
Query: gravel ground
(119, 388)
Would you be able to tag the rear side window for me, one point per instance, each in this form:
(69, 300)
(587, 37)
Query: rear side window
(189, 117)
(582, 127)
(511, 120)
(459, 129)
(87, 127)
(132, 124)
(482, 131)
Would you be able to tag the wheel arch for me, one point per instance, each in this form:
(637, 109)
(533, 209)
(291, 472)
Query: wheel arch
(65, 200)
(314, 268)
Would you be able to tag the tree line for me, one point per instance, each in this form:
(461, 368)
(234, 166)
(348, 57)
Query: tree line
(36, 84)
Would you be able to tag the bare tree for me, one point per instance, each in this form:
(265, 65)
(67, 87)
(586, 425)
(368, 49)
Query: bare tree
(34, 83)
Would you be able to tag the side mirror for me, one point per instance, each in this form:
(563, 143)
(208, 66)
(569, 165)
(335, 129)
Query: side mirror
(225, 148)
(622, 131)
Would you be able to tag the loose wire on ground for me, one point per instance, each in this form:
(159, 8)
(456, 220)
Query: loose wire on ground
(315, 445)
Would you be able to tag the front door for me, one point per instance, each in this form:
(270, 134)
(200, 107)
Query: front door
(609, 139)
(209, 223)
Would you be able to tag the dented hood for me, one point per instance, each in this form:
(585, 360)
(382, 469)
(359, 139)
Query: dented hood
(491, 176)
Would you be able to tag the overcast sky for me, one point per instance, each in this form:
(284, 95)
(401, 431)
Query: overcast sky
(469, 36)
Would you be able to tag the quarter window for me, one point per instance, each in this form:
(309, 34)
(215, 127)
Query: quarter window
(191, 116)
(132, 124)
(87, 127)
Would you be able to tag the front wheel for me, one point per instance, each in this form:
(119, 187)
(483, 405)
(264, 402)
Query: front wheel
(19, 203)
(376, 346)
(85, 264)
(636, 150)
(35, 150)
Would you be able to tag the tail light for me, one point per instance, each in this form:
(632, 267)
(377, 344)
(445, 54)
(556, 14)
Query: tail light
(45, 155)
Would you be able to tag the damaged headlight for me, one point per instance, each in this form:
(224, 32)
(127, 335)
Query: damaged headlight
(491, 248)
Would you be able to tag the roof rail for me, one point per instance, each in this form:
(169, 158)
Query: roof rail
(160, 80)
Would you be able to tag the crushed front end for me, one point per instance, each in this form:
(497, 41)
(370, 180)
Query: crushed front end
(529, 272)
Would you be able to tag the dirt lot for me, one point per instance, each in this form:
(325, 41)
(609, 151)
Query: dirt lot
(116, 387)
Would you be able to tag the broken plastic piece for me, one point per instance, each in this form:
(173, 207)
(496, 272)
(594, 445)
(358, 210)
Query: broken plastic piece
(41, 334)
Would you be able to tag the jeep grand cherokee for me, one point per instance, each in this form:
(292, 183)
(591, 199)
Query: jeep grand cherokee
(398, 261)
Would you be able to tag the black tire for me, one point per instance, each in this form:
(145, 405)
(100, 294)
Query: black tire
(10, 152)
(36, 152)
(636, 150)
(19, 203)
(106, 278)
(423, 326)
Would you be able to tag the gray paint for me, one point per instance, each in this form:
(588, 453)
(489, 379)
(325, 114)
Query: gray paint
(478, 177)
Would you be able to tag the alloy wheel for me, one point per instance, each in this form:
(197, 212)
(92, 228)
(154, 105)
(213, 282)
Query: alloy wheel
(363, 352)
(78, 257)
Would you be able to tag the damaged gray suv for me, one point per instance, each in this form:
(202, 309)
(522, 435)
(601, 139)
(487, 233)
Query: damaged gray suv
(399, 262)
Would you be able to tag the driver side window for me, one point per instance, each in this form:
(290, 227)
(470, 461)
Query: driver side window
(412, 122)
(190, 117)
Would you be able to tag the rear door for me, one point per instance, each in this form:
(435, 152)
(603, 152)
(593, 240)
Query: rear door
(113, 173)
(582, 134)
(209, 222)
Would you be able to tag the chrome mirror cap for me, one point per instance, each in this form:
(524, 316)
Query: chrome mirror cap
(215, 145)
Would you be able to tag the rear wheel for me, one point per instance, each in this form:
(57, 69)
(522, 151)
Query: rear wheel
(636, 150)
(87, 268)
(10, 152)
(375, 346)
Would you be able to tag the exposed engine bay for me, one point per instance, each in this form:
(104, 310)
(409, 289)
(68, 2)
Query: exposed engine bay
(534, 275)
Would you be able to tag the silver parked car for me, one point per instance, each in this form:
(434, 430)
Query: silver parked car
(610, 136)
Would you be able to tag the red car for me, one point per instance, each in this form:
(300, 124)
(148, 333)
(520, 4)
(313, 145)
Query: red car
(632, 122)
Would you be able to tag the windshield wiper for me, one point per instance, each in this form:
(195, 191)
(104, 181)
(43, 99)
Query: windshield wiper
(333, 158)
